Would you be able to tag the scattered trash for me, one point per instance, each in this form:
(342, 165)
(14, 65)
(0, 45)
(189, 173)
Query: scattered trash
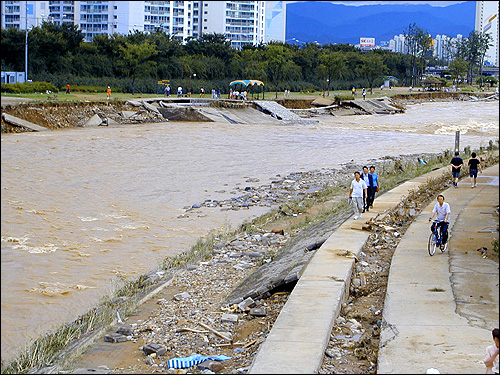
(193, 360)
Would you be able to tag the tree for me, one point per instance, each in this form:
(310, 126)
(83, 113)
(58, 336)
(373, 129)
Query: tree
(458, 68)
(135, 59)
(12, 49)
(473, 49)
(279, 60)
(49, 43)
(372, 68)
(418, 43)
(333, 66)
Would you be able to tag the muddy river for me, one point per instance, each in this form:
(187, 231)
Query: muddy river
(83, 208)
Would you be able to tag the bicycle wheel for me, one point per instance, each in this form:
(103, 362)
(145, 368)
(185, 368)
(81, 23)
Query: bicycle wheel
(431, 246)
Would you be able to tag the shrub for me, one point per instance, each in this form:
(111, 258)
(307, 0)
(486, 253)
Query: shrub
(343, 97)
(28, 87)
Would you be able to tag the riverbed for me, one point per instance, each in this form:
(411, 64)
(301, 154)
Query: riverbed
(85, 207)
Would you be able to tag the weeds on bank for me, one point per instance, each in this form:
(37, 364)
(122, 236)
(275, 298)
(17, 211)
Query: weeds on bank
(50, 348)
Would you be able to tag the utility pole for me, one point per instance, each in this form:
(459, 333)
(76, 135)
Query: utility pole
(26, 44)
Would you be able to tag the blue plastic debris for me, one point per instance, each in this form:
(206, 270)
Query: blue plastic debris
(193, 360)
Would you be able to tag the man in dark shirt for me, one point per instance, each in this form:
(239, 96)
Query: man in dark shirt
(456, 163)
(474, 166)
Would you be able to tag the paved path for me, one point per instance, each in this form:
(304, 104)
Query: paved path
(421, 329)
(439, 311)
(298, 339)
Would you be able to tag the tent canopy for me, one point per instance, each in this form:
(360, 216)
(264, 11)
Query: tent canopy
(247, 82)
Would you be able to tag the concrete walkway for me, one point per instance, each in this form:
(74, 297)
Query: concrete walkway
(298, 339)
(439, 311)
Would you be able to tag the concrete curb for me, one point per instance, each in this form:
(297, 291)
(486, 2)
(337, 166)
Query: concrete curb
(298, 339)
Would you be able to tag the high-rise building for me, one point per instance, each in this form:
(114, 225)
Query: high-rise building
(487, 22)
(243, 22)
(24, 14)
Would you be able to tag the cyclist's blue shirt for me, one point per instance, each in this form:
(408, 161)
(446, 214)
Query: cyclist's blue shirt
(442, 210)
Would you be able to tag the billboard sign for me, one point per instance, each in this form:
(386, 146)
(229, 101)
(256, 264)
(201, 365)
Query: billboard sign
(367, 42)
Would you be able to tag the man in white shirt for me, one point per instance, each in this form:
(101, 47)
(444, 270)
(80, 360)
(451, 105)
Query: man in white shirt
(491, 356)
(442, 212)
(357, 192)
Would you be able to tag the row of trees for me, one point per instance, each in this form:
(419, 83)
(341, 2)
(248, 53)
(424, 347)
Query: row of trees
(58, 53)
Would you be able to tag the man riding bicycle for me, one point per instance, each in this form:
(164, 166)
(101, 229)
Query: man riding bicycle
(442, 210)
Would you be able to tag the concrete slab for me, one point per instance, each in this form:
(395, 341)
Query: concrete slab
(271, 351)
(16, 121)
(93, 121)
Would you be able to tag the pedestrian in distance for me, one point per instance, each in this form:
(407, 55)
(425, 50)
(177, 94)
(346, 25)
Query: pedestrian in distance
(363, 92)
(68, 89)
(442, 212)
(353, 91)
(491, 356)
(108, 93)
(474, 166)
(456, 164)
(375, 183)
(357, 194)
(368, 179)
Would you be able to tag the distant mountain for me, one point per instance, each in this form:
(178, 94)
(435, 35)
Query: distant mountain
(325, 22)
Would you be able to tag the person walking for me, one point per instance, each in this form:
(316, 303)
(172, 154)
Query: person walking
(108, 93)
(353, 91)
(368, 179)
(442, 212)
(357, 193)
(68, 89)
(491, 356)
(474, 165)
(456, 163)
(375, 185)
(363, 92)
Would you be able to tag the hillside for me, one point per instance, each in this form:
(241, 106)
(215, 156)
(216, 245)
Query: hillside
(325, 22)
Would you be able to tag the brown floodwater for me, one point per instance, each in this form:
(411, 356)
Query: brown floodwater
(84, 207)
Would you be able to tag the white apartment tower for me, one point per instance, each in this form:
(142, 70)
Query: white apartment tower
(243, 22)
(24, 14)
(487, 22)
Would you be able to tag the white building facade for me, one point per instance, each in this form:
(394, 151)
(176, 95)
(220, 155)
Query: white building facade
(243, 22)
(487, 22)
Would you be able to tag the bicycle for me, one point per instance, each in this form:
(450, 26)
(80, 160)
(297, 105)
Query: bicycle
(435, 240)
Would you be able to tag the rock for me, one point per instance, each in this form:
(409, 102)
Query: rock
(150, 107)
(249, 302)
(211, 365)
(154, 348)
(149, 360)
(134, 103)
(181, 296)
(230, 318)
(127, 331)
(258, 311)
(127, 114)
(115, 337)
(356, 282)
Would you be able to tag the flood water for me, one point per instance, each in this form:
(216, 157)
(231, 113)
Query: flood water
(82, 208)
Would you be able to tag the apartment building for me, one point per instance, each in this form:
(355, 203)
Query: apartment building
(243, 22)
(487, 22)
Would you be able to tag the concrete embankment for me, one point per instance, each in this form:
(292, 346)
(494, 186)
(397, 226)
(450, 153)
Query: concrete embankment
(297, 341)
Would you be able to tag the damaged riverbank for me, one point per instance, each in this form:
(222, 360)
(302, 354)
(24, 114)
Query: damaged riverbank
(198, 274)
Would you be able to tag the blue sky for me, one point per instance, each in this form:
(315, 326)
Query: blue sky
(433, 3)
